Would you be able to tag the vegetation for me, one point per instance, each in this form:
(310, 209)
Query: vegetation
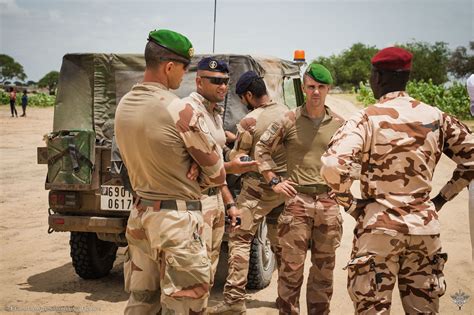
(453, 100)
(461, 63)
(10, 69)
(50, 80)
(36, 100)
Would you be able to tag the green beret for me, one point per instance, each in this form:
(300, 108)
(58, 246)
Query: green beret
(319, 73)
(175, 42)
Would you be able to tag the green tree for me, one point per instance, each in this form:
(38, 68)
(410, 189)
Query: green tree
(461, 64)
(350, 67)
(10, 69)
(430, 61)
(50, 80)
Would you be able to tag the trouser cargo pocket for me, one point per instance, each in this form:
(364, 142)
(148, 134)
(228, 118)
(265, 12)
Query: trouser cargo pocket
(127, 271)
(438, 282)
(363, 280)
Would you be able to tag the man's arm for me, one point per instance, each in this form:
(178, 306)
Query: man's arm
(458, 146)
(270, 141)
(341, 159)
(199, 143)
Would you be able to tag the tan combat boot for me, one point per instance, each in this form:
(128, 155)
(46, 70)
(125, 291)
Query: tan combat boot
(224, 308)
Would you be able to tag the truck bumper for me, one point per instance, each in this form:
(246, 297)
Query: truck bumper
(67, 223)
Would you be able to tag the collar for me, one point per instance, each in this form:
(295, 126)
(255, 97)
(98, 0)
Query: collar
(392, 95)
(202, 100)
(270, 103)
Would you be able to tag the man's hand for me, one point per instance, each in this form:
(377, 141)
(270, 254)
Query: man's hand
(358, 206)
(234, 213)
(236, 166)
(194, 171)
(438, 202)
(286, 188)
(230, 137)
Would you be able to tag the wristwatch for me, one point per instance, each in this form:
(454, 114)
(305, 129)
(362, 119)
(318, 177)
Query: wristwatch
(274, 181)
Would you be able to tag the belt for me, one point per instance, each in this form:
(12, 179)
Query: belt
(312, 189)
(191, 205)
(260, 176)
(211, 191)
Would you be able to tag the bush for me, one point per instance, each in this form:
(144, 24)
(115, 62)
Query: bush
(453, 100)
(35, 100)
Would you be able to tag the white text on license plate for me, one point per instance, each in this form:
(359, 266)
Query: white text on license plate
(115, 198)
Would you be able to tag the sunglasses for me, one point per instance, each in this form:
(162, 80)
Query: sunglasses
(185, 63)
(217, 80)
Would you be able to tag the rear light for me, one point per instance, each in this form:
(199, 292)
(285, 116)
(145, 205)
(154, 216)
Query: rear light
(58, 221)
(63, 199)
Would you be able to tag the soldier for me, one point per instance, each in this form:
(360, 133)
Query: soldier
(398, 141)
(212, 81)
(166, 254)
(256, 198)
(311, 217)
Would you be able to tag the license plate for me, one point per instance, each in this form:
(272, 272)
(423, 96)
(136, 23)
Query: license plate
(115, 198)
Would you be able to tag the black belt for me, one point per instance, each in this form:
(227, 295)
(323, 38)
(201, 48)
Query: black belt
(191, 205)
(211, 191)
(312, 189)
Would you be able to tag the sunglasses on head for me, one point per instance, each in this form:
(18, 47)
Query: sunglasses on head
(217, 80)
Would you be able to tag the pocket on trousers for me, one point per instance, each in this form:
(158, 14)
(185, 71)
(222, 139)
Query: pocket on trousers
(362, 279)
(127, 272)
(187, 272)
(334, 233)
(438, 282)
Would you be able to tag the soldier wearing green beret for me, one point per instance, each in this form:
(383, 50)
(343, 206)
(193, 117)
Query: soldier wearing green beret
(311, 217)
(167, 267)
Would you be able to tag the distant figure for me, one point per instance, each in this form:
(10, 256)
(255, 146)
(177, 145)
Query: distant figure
(12, 102)
(24, 102)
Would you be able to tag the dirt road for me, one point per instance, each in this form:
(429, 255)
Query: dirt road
(36, 274)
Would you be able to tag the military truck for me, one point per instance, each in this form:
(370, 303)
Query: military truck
(88, 194)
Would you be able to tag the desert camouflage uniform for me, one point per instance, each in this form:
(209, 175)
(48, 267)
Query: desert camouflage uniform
(311, 217)
(255, 201)
(398, 142)
(213, 209)
(166, 255)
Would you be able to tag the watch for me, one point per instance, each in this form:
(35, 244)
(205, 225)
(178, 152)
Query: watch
(274, 181)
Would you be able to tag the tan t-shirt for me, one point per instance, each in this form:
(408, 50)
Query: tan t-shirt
(158, 136)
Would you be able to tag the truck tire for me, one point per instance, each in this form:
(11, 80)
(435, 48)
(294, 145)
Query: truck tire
(262, 260)
(92, 258)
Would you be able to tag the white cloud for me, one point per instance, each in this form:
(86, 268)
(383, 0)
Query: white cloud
(55, 16)
(10, 8)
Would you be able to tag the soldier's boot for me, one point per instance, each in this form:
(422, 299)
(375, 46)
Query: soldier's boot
(225, 308)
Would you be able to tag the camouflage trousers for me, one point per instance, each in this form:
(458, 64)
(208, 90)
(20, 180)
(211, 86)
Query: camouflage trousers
(214, 223)
(166, 266)
(308, 221)
(379, 258)
(255, 201)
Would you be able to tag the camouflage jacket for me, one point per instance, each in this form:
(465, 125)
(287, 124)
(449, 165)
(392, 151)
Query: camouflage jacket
(251, 128)
(398, 143)
(159, 136)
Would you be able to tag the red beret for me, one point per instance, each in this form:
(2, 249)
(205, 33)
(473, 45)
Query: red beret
(392, 58)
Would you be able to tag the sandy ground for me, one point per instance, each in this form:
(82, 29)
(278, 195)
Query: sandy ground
(36, 274)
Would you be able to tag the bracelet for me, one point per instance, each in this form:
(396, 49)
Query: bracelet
(229, 205)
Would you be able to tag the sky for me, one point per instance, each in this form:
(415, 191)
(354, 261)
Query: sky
(38, 33)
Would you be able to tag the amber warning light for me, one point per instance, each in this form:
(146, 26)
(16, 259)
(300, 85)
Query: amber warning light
(298, 56)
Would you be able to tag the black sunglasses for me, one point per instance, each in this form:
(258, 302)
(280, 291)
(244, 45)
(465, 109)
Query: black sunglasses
(185, 63)
(217, 80)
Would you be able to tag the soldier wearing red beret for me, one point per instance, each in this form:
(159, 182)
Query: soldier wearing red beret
(398, 143)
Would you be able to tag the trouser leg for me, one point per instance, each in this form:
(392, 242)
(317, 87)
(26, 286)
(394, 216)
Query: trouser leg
(294, 231)
(326, 238)
(420, 280)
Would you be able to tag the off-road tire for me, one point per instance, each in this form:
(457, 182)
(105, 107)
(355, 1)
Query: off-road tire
(262, 262)
(92, 258)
